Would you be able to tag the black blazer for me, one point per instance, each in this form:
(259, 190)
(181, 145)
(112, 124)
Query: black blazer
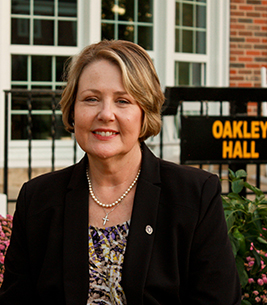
(187, 259)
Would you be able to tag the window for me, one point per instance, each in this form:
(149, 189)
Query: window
(36, 72)
(130, 20)
(38, 22)
(190, 74)
(190, 26)
(190, 38)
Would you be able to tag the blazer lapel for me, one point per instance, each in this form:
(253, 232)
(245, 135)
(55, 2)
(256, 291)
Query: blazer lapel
(75, 247)
(142, 229)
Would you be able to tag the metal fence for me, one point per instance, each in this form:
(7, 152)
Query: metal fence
(233, 102)
(28, 97)
(228, 101)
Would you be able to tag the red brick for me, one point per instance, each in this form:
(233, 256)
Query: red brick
(242, 59)
(237, 13)
(252, 66)
(237, 26)
(253, 27)
(238, 78)
(246, 7)
(253, 53)
(237, 1)
(244, 46)
(244, 72)
(253, 40)
(261, 8)
(244, 85)
(237, 52)
(260, 21)
(256, 15)
(233, 72)
(245, 33)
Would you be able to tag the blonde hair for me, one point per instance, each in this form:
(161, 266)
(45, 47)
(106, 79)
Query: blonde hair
(138, 75)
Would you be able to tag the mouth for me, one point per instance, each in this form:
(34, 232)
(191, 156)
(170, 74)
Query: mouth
(105, 133)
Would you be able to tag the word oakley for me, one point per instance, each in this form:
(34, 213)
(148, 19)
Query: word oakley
(239, 130)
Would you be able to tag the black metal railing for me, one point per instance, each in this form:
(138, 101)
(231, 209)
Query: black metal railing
(237, 100)
(28, 97)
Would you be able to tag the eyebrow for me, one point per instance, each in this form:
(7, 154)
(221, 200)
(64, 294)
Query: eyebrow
(97, 91)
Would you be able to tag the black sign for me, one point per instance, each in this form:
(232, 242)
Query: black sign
(223, 139)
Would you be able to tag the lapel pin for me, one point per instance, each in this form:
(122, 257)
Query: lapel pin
(149, 229)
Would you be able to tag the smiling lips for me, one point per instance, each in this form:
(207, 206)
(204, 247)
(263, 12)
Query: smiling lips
(105, 133)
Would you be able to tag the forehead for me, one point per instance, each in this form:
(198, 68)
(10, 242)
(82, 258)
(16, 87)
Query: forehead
(100, 67)
(102, 75)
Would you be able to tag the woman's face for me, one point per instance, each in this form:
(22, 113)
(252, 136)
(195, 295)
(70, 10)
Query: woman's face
(107, 119)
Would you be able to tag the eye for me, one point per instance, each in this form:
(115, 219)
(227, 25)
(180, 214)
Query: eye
(91, 99)
(123, 101)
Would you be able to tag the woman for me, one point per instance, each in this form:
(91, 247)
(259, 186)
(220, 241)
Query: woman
(157, 233)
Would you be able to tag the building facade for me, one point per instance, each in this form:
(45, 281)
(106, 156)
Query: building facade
(248, 42)
(192, 42)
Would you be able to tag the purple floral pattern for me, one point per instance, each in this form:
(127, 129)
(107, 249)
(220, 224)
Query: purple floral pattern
(106, 254)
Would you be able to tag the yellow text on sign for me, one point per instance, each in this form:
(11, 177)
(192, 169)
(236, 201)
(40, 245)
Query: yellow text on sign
(239, 149)
(239, 130)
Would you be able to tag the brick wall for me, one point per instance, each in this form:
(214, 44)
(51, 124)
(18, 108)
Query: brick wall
(248, 42)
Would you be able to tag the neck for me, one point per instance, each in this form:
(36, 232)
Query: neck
(111, 172)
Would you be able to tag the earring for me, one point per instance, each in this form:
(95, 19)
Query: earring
(73, 124)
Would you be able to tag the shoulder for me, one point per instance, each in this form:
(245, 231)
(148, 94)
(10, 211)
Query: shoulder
(183, 173)
(50, 189)
(188, 186)
(51, 180)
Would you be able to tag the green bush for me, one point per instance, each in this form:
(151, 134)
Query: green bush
(247, 222)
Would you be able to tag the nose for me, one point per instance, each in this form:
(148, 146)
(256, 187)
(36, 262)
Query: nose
(106, 111)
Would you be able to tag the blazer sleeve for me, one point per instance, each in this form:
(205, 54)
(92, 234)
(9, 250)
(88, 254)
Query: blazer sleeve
(213, 277)
(17, 288)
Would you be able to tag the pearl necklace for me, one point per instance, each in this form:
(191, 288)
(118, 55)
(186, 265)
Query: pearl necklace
(115, 202)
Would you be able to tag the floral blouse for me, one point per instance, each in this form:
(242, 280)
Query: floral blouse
(106, 254)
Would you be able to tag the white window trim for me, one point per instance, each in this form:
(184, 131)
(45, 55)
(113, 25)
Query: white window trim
(217, 57)
(5, 63)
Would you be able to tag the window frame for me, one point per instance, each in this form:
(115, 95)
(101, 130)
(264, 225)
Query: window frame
(216, 58)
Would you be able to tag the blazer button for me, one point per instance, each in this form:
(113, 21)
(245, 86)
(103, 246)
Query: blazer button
(149, 229)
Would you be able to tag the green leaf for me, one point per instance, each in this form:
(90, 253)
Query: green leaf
(230, 217)
(251, 207)
(241, 174)
(261, 240)
(234, 196)
(245, 302)
(231, 174)
(257, 221)
(257, 264)
(254, 189)
(237, 186)
(243, 276)
(234, 244)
